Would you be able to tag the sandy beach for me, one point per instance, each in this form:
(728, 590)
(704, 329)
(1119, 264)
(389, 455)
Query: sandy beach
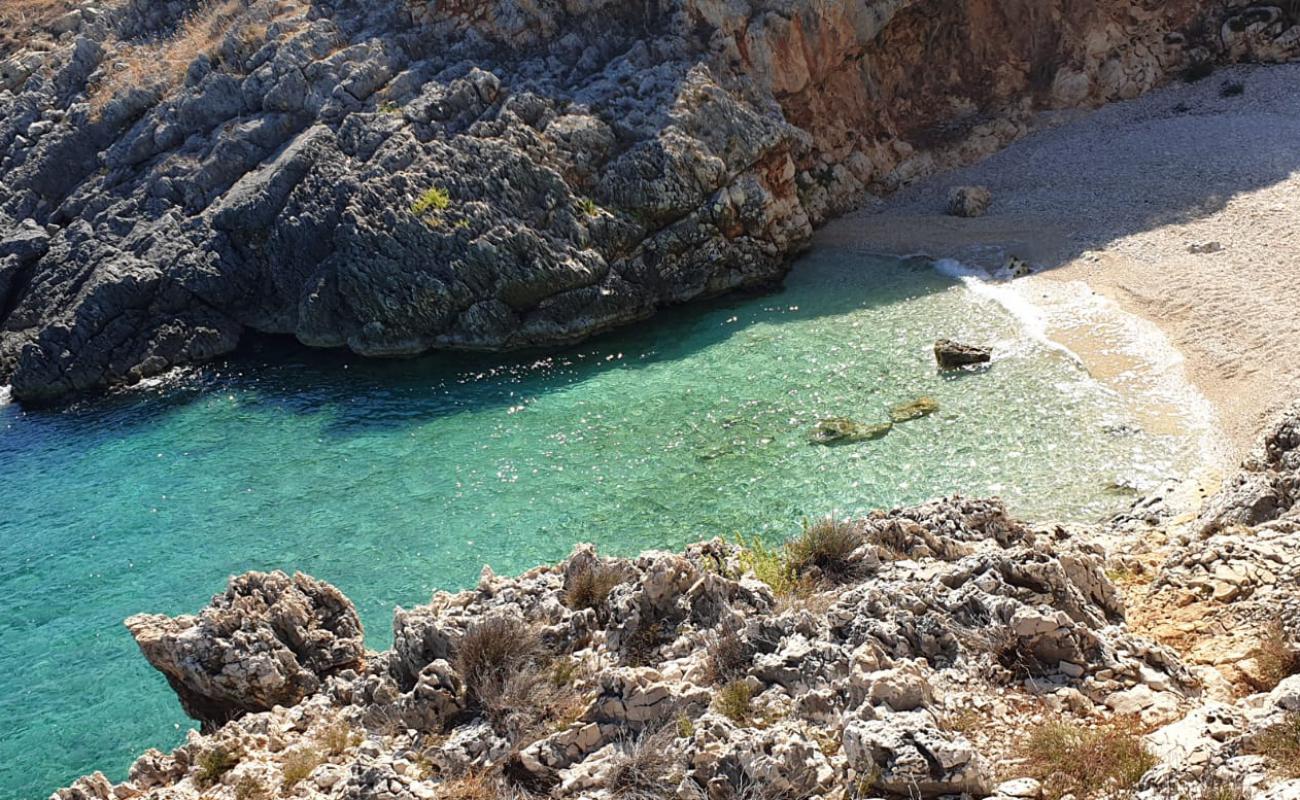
(1202, 242)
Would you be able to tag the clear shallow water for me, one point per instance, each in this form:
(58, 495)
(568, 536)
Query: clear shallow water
(394, 479)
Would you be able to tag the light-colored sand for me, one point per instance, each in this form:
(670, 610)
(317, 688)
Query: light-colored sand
(1114, 199)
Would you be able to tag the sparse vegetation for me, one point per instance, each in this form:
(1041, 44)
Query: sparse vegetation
(1275, 657)
(1105, 761)
(338, 737)
(215, 763)
(733, 701)
(434, 199)
(298, 764)
(1280, 744)
(161, 64)
(685, 727)
(589, 207)
(249, 787)
(470, 786)
(820, 554)
(590, 588)
(769, 565)
(729, 656)
(646, 768)
(824, 549)
(642, 644)
(491, 651)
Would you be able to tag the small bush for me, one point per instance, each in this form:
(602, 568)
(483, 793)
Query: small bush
(490, 651)
(646, 768)
(685, 727)
(1280, 744)
(250, 787)
(729, 656)
(435, 199)
(1276, 658)
(298, 764)
(769, 565)
(1086, 762)
(640, 647)
(826, 546)
(337, 738)
(588, 206)
(733, 701)
(215, 763)
(590, 588)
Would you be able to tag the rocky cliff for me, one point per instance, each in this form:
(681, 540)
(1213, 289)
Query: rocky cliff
(946, 649)
(394, 177)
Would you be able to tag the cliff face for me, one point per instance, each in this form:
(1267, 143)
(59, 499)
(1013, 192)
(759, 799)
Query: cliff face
(398, 177)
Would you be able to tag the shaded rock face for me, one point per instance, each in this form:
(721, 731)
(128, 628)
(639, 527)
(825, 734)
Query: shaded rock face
(269, 640)
(400, 177)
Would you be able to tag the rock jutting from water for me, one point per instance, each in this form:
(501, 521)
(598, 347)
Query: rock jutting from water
(953, 355)
(399, 177)
(841, 430)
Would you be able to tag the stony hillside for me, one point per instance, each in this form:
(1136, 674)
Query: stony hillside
(394, 176)
(945, 649)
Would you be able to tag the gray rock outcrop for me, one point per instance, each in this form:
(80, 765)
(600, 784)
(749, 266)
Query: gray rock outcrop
(953, 355)
(408, 176)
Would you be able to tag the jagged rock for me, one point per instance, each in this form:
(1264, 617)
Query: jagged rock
(1268, 485)
(269, 640)
(951, 355)
(969, 201)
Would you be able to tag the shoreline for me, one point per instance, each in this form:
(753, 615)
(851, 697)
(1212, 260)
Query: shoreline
(1107, 247)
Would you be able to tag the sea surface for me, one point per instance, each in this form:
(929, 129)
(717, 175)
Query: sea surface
(396, 479)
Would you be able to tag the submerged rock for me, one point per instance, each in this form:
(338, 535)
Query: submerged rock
(842, 430)
(920, 407)
(269, 640)
(951, 355)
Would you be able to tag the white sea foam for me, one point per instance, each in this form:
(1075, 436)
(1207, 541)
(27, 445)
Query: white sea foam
(6, 396)
(1043, 306)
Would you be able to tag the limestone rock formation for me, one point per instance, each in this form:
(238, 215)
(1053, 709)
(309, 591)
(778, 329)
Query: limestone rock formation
(405, 176)
(269, 640)
(1268, 485)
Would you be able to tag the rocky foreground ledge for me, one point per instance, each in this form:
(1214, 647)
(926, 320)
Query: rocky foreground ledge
(399, 176)
(945, 649)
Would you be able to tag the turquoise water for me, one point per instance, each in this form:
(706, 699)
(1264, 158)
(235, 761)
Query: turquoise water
(394, 479)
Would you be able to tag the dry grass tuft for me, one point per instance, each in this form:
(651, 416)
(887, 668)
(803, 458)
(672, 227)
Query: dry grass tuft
(729, 657)
(646, 769)
(22, 20)
(298, 764)
(338, 737)
(162, 64)
(590, 588)
(824, 549)
(471, 786)
(1280, 744)
(250, 787)
(491, 651)
(1088, 763)
(1276, 658)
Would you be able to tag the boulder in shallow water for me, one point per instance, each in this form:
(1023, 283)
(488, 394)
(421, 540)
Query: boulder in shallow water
(920, 407)
(841, 430)
(969, 201)
(951, 355)
(269, 640)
